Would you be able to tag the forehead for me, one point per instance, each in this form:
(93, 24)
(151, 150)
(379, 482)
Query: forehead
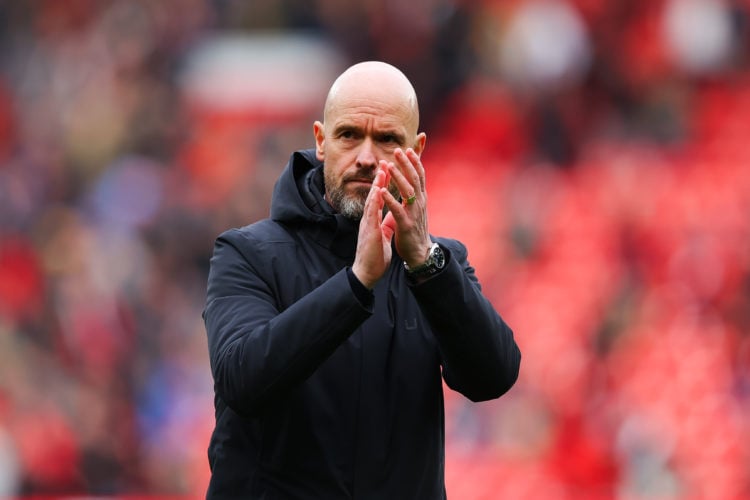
(379, 111)
(374, 112)
(372, 92)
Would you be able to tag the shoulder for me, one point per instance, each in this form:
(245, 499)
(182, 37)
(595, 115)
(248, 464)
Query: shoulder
(254, 242)
(263, 232)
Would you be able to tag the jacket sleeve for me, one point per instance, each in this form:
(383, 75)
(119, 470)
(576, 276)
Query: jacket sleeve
(481, 359)
(257, 352)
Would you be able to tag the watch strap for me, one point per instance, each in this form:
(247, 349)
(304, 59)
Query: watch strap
(434, 263)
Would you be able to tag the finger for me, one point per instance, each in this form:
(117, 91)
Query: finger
(388, 226)
(396, 209)
(403, 185)
(374, 202)
(408, 226)
(381, 176)
(385, 167)
(406, 187)
(406, 167)
(417, 163)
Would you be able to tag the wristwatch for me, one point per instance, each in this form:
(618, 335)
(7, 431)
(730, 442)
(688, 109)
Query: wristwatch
(434, 263)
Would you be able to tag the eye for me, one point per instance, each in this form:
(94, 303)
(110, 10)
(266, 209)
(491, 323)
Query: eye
(390, 139)
(348, 134)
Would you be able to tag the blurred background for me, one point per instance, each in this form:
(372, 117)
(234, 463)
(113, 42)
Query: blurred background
(594, 155)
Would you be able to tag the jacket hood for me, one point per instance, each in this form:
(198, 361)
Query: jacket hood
(298, 193)
(298, 201)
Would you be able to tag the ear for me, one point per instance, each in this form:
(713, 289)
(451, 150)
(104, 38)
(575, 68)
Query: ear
(320, 139)
(419, 143)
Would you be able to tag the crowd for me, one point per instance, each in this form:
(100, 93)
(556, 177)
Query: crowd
(593, 156)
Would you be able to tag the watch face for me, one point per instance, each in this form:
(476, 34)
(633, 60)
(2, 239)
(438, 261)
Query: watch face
(439, 257)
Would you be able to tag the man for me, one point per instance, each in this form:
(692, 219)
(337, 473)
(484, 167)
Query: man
(331, 323)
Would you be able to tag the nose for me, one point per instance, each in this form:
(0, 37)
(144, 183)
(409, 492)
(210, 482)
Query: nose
(366, 155)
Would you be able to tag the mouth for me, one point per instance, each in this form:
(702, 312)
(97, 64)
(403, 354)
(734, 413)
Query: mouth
(360, 182)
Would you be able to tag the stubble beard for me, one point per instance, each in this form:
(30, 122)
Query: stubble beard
(351, 206)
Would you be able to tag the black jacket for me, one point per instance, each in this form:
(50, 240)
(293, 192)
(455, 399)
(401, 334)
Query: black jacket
(326, 392)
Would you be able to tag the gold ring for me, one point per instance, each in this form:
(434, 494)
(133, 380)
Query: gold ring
(411, 199)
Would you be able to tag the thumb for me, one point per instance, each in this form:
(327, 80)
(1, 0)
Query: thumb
(388, 226)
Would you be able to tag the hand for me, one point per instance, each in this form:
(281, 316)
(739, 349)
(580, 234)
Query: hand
(373, 254)
(408, 221)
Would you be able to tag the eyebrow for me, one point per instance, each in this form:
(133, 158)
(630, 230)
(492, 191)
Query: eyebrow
(346, 127)
(379, 134)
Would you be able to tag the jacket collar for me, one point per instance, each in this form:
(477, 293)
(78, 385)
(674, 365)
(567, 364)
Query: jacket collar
(298, 202)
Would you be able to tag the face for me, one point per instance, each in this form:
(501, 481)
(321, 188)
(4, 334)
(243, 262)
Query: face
(357, 134)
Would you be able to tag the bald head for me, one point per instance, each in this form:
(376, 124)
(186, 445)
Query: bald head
(375, 82)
